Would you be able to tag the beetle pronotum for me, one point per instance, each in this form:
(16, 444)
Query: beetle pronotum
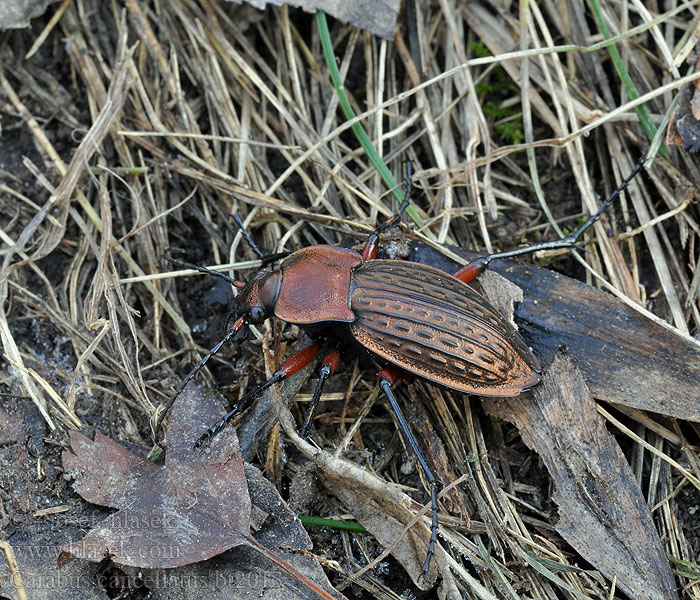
(413, 318)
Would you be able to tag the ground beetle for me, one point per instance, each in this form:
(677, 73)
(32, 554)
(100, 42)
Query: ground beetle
(415, 319)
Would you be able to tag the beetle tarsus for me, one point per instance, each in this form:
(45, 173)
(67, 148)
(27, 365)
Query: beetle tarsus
(210, 432)
(385, 384)
(324, 374)
(404, 204)
(433, 528)
(603, 207)
(470, 271)
(244, 403)
(287, 368)
(235, 328)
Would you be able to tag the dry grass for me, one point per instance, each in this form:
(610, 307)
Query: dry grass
(220, 110)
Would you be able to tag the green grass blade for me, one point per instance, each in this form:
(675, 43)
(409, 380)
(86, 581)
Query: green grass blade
(630, 89)
(361, 135)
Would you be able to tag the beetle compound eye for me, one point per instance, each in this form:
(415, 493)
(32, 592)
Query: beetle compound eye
(257, 314)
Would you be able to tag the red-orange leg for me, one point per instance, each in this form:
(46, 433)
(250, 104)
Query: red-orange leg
(390, 374)
(288, 367)
(470, 272)
(297, 362)
(369, 252)
(387, 377)
(328, 366)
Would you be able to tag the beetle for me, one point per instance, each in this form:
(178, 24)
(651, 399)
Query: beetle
(412, 318)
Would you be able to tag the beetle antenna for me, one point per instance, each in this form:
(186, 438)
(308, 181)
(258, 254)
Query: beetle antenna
(234, 282)
(270, 258)
(247, 237)
(262, 255)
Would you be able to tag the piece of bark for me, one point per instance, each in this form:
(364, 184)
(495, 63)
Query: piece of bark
(602, 513)
(684, 124)
(625, 357)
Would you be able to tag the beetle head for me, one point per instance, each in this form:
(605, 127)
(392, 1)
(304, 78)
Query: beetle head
(256, 301)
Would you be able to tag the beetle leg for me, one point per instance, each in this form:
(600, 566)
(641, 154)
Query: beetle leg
(469, 272)
(328, 366)
(369, 252)
(235, 328)
(288, 367)
(387, 377)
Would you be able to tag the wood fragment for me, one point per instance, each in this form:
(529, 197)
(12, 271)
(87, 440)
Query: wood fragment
(601, 510)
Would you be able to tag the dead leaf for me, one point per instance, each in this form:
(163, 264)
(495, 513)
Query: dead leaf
(243, 572)
(15, 14)
(191, 509)
(194, 507)
(376, 16)
(602, 512)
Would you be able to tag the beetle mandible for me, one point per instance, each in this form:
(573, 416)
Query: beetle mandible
(415, 319)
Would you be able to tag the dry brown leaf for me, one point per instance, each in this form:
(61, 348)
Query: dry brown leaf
(194, 507)
(684, 126)
(191, 509)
